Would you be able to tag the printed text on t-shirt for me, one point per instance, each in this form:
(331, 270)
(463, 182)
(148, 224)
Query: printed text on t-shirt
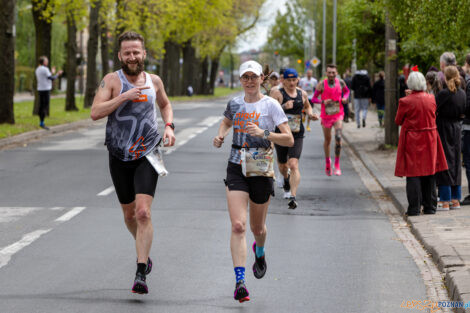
(242, 118)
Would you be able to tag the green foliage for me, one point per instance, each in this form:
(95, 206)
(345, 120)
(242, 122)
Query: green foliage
(24, 75)
(427, 28)
(287, 34)
(363, 20)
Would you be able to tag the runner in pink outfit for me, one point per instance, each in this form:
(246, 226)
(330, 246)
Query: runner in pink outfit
(334, 93)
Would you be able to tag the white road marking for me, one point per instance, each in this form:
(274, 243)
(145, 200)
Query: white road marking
(7, 252)
(70, 214)
(10, 214)
(107, 191)
(57, 208)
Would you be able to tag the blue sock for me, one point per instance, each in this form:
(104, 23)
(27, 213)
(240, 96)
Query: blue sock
(239, 273)
(41, 123)
(259, 251)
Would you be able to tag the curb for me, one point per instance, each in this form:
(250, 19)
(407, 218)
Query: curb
(456, 271)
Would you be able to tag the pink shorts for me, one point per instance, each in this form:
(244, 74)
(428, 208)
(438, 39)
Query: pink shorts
(329, 121)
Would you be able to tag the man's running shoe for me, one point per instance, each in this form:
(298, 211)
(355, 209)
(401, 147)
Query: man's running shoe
(140, 286)
(308, 128)
(287, 194)
(337, 171)
(241, 293)
(292, 203)
(286, 185)
(328, 170)
(259, 267)
(148, 269)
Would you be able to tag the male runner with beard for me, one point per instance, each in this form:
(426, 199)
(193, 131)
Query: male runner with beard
(128, 97)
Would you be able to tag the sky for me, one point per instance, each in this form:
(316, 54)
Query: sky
(258, 36)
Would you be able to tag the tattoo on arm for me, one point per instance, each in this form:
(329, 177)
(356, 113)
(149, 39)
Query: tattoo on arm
(102, 84)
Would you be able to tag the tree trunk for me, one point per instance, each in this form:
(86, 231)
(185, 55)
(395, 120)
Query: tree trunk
(92, 51)
(71, 63)
(232, 81)
(171, 68)
(213, 77)
(190, 63)
(204, 86)
(43, 30)
(391, 82)
(104, 48)
(117, 32)
(7, 61)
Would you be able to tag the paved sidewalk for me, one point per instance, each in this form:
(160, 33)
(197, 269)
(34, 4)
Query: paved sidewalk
(445, 235)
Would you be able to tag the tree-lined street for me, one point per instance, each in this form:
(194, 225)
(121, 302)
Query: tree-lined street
(337, 251)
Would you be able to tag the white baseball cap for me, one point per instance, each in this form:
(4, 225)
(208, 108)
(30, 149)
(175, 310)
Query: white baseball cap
(251, 66)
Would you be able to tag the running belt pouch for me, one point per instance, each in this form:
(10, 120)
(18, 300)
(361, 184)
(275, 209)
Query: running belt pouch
(156, 159)
(331, 107)
(257, 162)
(294, 122)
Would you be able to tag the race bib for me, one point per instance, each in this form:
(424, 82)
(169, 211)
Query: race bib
(294, 121)
(257, 162)
(331, 107)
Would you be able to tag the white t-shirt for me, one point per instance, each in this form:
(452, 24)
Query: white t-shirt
(308, 85)
(267, 113)
(42, 74)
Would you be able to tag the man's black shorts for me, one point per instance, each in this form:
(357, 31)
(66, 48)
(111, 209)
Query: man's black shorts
(132, 177)
(259, 188)
(285, 153)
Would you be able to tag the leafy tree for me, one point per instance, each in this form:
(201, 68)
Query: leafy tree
(287, 34)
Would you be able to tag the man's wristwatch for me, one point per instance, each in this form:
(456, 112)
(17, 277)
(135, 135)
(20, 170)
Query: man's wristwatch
(171, 125)
(266, 134)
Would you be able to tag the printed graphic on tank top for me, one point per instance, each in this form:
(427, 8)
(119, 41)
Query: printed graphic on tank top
(294, 115)
(132, 130)
(331, 99)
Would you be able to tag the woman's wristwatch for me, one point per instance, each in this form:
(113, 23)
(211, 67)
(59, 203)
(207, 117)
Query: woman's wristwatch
(266, 134)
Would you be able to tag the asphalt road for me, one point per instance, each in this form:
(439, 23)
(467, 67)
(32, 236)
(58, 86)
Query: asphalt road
(64, 248)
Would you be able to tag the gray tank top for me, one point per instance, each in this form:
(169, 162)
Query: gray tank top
(132, 130)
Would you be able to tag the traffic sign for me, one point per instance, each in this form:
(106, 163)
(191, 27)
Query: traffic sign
(315, 61)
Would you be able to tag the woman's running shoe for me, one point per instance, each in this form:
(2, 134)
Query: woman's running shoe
(241, 293)
(149, 266)
(140, 286)
(259, 267)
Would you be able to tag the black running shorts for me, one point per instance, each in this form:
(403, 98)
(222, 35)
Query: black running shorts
(285, 153)
(259, 188)
(132, 177)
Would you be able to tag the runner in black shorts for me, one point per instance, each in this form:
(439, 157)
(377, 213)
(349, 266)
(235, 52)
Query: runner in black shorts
(293, 101)
(128, 97)
(249, 171)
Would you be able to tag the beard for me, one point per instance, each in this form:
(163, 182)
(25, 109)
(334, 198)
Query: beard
(139, 69)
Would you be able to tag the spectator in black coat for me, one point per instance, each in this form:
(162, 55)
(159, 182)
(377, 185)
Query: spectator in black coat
(378, 96)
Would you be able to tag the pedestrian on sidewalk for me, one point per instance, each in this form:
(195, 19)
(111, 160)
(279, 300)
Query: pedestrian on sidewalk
(466, 129)
(433, 83)
(362, 92)
(451, 103)
(378, 96)
(420, 154)
(44, 78)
